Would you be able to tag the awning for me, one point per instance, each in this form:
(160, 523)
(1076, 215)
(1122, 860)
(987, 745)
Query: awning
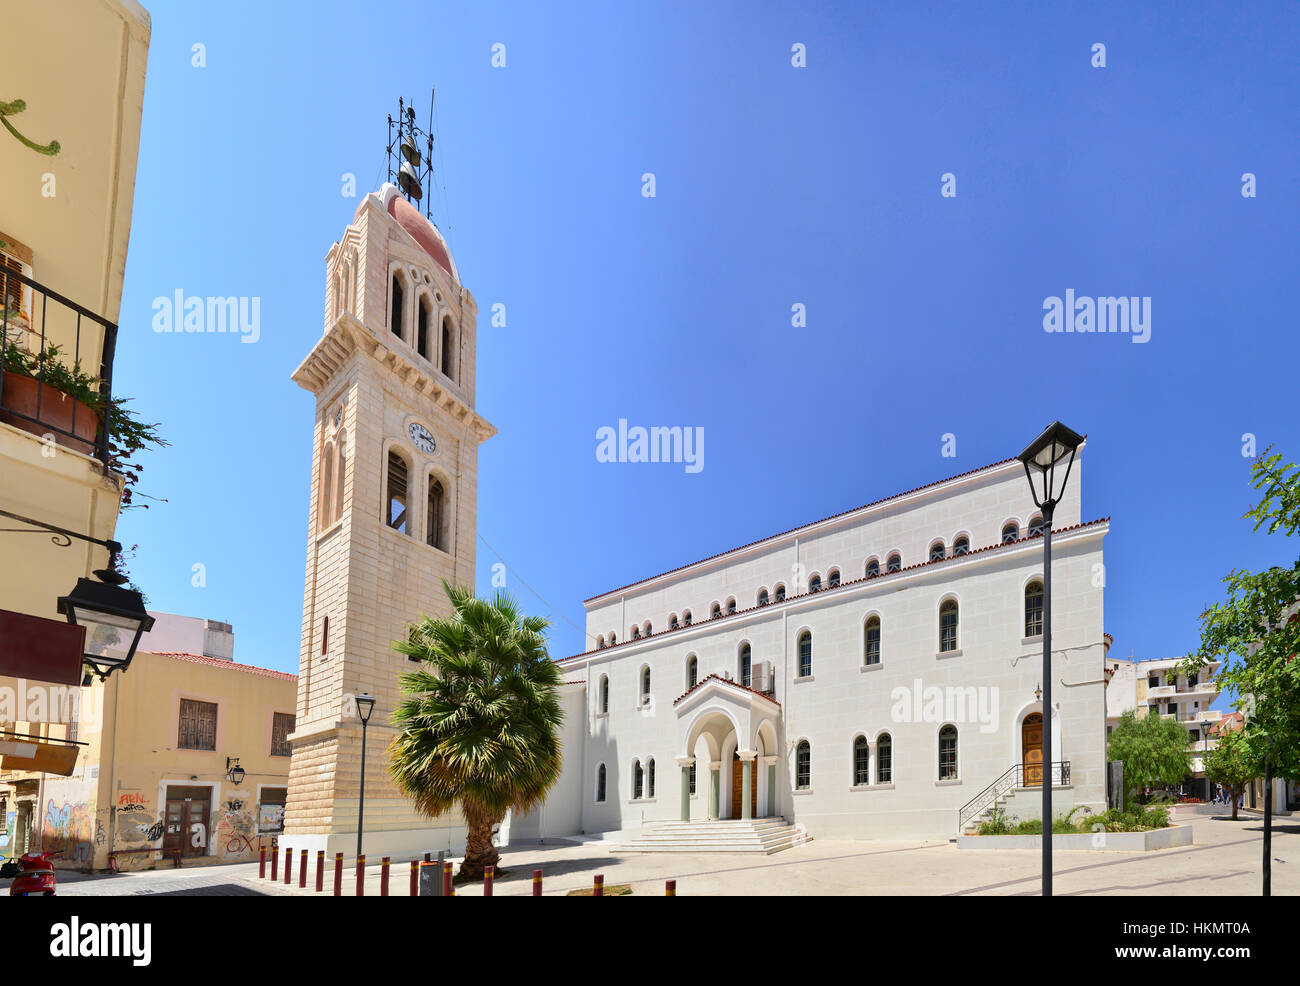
(38, 755)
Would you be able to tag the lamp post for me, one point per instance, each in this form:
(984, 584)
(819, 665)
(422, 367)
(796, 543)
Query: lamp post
(365, 706)
(1042, 456)
(114, 617)
(1205, 753)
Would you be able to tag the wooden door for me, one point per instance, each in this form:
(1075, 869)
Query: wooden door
(1031, 744)
(738, 788)
(186, 816)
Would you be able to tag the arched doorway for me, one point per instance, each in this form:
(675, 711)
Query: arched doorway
(738, 787)
(1031, 749)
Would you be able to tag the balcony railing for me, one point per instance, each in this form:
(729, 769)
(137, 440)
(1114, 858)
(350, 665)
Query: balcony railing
(34, 317)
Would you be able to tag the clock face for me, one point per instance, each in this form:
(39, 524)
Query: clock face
(422, 439)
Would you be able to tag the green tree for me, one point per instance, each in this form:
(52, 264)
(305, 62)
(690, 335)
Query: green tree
(1256, 631)
(1234, 764)
(479, 724)
(1153, 750)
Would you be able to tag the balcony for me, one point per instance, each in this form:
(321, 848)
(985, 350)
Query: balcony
(36, 398)
(1162, 691)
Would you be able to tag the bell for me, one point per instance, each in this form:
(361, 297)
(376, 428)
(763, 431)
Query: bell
(409, 182)
(410, 151)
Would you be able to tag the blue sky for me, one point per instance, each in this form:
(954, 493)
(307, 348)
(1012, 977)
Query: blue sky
(775, 185)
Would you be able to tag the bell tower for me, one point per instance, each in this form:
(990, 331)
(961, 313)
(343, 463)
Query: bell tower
(394, 488)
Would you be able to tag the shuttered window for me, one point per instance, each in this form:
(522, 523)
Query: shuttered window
(280, 730)
(198, 725)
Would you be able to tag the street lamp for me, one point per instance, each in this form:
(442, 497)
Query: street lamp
(114, 618)
(1042, 456)
(365, 706)
(234, 772)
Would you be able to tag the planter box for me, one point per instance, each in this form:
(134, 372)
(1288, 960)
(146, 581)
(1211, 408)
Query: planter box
(1165, 838)
(22, 393)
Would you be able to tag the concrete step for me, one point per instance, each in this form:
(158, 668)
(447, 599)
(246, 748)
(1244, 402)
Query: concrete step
(763, 835)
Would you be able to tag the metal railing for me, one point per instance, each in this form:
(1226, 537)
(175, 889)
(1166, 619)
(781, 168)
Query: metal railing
(28, 326)
(1020, 775)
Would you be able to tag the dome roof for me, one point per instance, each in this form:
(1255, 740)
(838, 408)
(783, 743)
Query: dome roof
(422, 231)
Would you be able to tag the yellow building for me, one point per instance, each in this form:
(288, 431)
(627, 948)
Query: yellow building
(156, 773)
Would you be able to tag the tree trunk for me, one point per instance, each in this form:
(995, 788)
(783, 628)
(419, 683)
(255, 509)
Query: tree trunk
(1236, 792)
(479, 851)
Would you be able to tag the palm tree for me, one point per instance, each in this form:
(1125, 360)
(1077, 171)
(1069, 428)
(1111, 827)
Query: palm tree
(479, 725)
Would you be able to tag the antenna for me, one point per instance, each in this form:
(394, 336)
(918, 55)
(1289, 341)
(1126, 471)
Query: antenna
(413, 173)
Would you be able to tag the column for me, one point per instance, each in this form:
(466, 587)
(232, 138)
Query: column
(770, 762)
(685, 763)
(746, 783)
(715, 810)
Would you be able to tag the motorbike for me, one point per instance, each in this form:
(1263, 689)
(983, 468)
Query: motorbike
(32, 873)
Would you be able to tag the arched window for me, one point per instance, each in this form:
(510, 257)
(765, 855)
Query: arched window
(398, 477)
(650, 778)
(422, 328)
(715, 611)
(895, 563)
(873, 568)
(692, 672)
(436, 532)
(600, 642)
(948, 753)
(803, 766)
(762, 597)
(731, 606)
(961, 546)
(448, 347)
(1010, 532)
(613, 638)
(1034, 609)
(604, 694)
(861, 761)
(780, 592)
(936, 551)
(647, 629)
(884, 759)
(1036, 526)
(815, 584)
(638, 780)
(672, 622)
(395, 313)
(341, 471)
(636, 632)
(600, 783)
(645, 685)
(805, 654)
(327, 488)
(833, 579)
(948, 625)
(692, 773)
(871, 641)
(746, 666)
(686, 618)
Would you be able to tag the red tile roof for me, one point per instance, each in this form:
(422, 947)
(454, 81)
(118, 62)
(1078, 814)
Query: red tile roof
(216, 662)
(842, 513)
(726, 681)
(826, 588)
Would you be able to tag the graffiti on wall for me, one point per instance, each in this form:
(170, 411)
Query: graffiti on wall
(69, 829)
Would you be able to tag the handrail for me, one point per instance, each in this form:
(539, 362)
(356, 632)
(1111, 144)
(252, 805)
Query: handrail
(1060, 773)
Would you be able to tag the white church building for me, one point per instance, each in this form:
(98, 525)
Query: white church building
(865, 676)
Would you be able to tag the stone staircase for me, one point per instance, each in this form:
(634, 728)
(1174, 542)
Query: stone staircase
(760, 835)
(1007, 802)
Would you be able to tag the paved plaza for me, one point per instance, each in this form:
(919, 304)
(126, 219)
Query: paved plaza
(1223, 861)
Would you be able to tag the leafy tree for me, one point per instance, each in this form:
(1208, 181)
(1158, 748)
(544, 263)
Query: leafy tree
(479, 724)
(1234, 764)
(1154, 750)
(1256, 631)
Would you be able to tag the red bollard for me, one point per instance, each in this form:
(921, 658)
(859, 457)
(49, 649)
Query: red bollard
(261, 863)
(320, 870)
(448, 889)
(488, 873)
(415, 878)
(302, 870)
(383, 877)
(537, 883)
(338, 874)
(598, 887)
(361, 875)
(288, 866)
(275, 865)
(670, 888)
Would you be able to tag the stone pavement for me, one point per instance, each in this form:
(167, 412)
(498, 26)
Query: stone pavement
(1223, 861)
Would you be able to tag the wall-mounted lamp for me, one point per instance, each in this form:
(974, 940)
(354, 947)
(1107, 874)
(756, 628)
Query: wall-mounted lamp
(234, 772)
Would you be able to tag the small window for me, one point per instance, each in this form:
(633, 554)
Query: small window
(937, 551)
(672, 622)
(884, 759)
(948, 753)
(647, 629)
(948, 626)
(395, 314)
(638, 780)
(746, 667)
(762, 598)
(1010, 533)
(604, 694)
(871, 641)
(650, 778)
(692, 776)
(448, 345)
(815, 584)
(600, 783)
(731, 606)
(961, 546)
(715, 611)
(636, 632)
(803, 766)
(805, 654)
(1036, 527)
(895, 563)
(1034, 609)
(397, 492)
(270, 810)
(600, 642)
(613, 638)
(198, 725)
(281, 727)
(436, 532)
(686, 618)
(325, 638)
(422, 329)
(861, 761)
(833, 579)
(873, 568)
(780, 593)
(645, 686)
(692, 672)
